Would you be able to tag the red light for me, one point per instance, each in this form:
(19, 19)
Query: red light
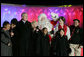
(82, 9)
(74, 13)
(69, 13)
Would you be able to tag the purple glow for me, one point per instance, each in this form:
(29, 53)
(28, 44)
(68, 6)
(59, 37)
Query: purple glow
(56, 10)
(64, 13)
(23, 10)
(15, 13)
(8, 12)
(6, 9)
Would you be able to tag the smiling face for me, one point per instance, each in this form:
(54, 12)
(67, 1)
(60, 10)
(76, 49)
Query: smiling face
(76, 23)
(7, 27)
(61, 21)
(45, 31)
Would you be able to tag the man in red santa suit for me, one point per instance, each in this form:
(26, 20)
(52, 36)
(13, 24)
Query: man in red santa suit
(61, 25)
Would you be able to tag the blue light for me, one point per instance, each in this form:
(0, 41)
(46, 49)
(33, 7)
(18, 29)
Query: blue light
(9, 12)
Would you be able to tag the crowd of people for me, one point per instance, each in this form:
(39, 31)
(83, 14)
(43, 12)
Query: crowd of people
(42, 38)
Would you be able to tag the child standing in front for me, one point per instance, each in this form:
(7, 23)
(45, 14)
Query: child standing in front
(60, 46)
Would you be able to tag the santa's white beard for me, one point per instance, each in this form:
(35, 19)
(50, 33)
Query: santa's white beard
(45, 23)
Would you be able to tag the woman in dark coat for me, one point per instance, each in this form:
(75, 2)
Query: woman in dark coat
(60, 45)
(36, 39)
(13, 36)
(6, 44)
(45, 43)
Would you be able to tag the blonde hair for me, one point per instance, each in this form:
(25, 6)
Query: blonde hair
(33, 22)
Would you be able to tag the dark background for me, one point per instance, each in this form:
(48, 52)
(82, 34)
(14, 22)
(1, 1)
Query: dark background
(44, 2)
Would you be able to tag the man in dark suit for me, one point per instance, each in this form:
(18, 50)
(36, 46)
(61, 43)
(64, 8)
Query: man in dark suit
(24, 35)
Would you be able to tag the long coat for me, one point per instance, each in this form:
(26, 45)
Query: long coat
(45, 45)
(14, 42)
(41, 45)
(24, 38)
(60, 46)
(5, 39)
(36, 42)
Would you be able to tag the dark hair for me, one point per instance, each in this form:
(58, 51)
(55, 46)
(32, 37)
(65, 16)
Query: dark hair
(62, 18)
(44, 29)
(77, 20)
(57, 34)
(23, 13)
(5, 23)
(14, 21)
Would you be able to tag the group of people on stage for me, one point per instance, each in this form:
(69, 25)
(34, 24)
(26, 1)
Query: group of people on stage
(43, 38)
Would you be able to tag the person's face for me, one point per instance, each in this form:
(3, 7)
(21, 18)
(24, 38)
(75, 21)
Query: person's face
(13, 26)
(43, 18)
(76, 23)
(25, 17)
(45, 31)
(61, 21)
(7, 27)
(61, 32)
(34, 25)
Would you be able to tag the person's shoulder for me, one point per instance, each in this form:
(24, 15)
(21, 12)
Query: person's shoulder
(19, 22)
(81, 29)
(28, 22)
(2, 30)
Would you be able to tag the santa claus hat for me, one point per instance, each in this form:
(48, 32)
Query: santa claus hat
(54, 16)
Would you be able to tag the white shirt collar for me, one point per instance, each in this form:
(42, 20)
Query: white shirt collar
(23, 21)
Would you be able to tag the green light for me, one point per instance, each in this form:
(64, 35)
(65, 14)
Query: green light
(69, 5)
